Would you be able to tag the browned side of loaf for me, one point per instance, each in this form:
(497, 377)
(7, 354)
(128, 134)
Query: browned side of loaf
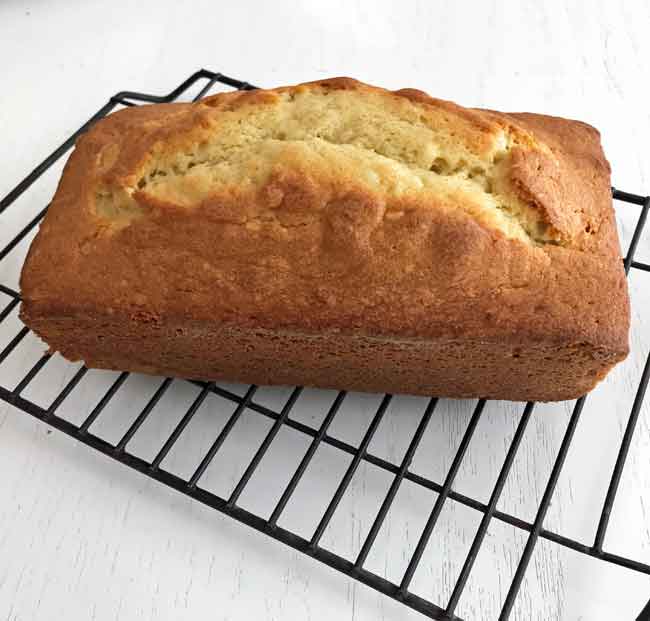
(458, 368)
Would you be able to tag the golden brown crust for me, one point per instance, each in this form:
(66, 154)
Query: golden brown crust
(318, 253)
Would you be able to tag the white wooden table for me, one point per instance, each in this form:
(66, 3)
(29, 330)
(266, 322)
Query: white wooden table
(82, 537)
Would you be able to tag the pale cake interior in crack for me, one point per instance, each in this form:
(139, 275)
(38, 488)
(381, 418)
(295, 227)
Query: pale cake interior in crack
(395, 152)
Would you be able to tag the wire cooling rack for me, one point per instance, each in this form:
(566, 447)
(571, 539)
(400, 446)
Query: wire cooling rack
(245, 403)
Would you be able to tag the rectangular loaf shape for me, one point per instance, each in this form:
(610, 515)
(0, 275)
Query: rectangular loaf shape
(339, 235)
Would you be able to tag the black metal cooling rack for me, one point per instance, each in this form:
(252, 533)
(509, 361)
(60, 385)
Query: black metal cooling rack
(319, 435)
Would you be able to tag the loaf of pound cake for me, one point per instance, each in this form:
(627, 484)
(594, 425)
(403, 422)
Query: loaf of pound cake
(338, 235)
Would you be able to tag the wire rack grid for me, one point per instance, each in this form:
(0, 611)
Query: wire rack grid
(279, 418)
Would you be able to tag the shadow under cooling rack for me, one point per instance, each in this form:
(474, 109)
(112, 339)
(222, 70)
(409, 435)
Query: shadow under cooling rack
(310, 426)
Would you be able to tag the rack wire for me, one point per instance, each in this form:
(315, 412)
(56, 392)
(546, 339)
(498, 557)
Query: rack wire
(318, 435)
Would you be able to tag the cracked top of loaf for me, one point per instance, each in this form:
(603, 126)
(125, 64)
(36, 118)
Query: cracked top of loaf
(335, 205)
